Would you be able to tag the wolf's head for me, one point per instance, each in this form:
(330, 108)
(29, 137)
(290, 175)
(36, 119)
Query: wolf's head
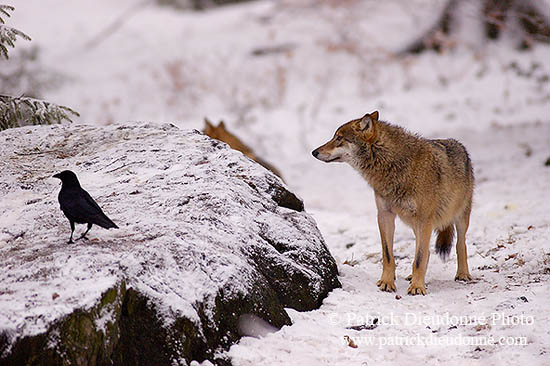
(349, 138)
(216, 132)
(220, 133)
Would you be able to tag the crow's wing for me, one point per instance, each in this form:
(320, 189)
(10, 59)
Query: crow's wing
(79, 206)
(90, 200)
(100, 218)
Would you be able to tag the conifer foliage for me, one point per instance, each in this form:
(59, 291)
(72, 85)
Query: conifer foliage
(8, 35)
(20, 111)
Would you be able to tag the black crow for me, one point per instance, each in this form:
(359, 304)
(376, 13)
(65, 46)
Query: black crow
(79, 206)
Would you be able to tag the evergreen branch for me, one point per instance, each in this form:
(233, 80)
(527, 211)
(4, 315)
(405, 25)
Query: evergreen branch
(8, 35)
(3, 51)
(4, 10)
(21, 111)
(5, 13)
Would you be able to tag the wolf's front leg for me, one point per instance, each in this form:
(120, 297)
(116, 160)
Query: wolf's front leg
(423, 234)
(386, 225)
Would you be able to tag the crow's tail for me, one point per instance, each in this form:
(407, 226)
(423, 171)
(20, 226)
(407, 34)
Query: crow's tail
(105, 222)
(444, 241)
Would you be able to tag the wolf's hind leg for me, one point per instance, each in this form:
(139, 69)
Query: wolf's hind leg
(462, 223)
(423, 234)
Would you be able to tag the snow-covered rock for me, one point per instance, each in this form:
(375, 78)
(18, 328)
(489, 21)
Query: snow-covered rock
(206, 235)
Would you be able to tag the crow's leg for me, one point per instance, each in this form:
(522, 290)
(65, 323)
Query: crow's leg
(72, 231)
(86, 232)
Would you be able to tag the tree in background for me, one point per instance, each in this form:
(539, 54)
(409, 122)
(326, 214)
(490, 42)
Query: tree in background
(497, 16)
(22, 110)
(198, 4)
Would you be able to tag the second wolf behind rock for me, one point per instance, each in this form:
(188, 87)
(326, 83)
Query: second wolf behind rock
(221, 133)
(427, 183)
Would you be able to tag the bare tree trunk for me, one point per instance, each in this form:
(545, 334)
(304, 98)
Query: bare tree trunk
(434, 38)
(198, 4)
(494, 13)
(535, 25)
(496, 16)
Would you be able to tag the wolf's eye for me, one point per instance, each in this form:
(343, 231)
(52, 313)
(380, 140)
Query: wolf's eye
(339, 138)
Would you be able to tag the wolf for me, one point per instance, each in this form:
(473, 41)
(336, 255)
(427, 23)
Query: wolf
(427, 183)
(221, 133)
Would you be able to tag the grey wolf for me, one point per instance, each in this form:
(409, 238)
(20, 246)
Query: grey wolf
(427, 183)
(221, 133)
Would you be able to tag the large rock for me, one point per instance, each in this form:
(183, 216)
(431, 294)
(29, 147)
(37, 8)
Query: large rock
(205, 236)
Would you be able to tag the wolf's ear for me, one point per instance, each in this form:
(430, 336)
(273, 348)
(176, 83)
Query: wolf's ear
(221, 124)
(368, 120)
(207, 123)
(374, 116)
(365, 123)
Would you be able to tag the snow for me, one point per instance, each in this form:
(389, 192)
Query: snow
(162, 65)
(508, 257)
(170, 191)
(106, 316)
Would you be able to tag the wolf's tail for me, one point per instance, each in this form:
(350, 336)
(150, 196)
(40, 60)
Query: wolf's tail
(444, 241)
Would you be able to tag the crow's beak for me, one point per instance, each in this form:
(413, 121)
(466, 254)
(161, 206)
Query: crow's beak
(57, 176)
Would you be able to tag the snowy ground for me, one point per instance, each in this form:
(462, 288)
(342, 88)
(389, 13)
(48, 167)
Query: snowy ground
(168, 66)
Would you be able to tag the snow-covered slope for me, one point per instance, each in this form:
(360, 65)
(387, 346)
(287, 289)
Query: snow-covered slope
(205, 235)
(500, 318)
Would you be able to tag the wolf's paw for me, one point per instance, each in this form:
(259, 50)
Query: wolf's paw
(463, 277)
(417, 289)
(384, 285)
(409, 277)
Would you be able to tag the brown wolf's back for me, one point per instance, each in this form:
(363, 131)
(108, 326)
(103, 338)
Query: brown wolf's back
(419, 175)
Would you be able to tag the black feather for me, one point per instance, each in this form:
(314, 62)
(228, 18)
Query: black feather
(78, 206)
